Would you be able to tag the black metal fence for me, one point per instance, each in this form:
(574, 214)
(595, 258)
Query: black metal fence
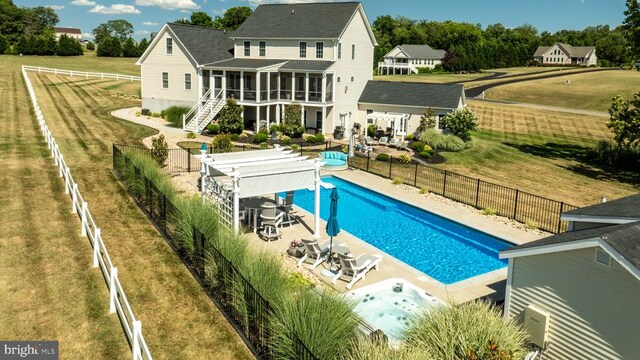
(233, 293)
(521, 206)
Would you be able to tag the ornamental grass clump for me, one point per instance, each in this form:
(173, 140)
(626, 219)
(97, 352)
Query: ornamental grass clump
(147, 167)
(192, 213)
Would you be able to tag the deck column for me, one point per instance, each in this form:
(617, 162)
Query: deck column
(306, 87)
(293, 86)
(258, 86)
(268, 117)
(224, 84)
(200, 83)
(324, 89)
(241, 85)
(268, 86)
(303, 121)
(278, 114)
(324, 119)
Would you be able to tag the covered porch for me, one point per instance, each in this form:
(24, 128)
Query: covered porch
(392, 125)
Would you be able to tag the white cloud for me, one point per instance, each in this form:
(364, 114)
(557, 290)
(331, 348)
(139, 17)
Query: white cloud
(87, 35)
(185, 11)
(142, 32)
(83, 3)
(56, 7)
(262, 2)
(115, 9)
(170, 4)
(219, 12)
(150, 23)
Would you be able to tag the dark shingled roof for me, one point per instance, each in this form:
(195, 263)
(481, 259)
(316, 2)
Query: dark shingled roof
(422, 52)
(306, 65)
(308, 21)
(624, 238)
(573, 51)
(244, 63)
(626, 207)
(445, 96)
(205, 45)
(67, 30)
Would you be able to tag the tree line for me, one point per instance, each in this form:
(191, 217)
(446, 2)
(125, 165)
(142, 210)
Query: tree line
(114, 40)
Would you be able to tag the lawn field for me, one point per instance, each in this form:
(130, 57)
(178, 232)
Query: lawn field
(590, 91)
(431, 78)
(88, 62)
(179, 321)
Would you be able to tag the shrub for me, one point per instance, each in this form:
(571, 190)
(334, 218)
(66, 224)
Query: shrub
(460, 123)
(611, 154)
(243, 137)
(308, 138)
(292, 119)
(436, 140)
(417, 146)
(160, 149)
(531, 224)
(298, 132)
(453, 143)
(213, 129)
(234, 137)
(404, 158)
(397, 181)
(230, 117)
(259, 138)
(427, 120)
(286, 140)
(191, 135)
(382, 157)
(409, 137)
(424, 191)
(274, 128)
(489, 211)
(319, 138)
(221, 143)
(264, 145)
(173, 114)
(91, 46)
(473, 330)
(424, 154)
(295, 147)
(371, 130)
(68, 47)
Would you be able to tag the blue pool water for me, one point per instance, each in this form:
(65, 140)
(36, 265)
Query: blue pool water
(445, 250)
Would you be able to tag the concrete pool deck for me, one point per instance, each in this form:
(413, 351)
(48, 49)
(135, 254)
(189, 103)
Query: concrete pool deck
(489, 284)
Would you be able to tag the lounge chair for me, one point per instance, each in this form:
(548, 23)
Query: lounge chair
(369, 141)
(403, 145)
(286, 209)
(364, 147)
(393, 142)
(316, 252)
(383, 140)
(271, 222)
(356, 268)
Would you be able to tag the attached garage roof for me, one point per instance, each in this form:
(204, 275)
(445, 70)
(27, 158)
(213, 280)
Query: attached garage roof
(626, 207)
(445, 96)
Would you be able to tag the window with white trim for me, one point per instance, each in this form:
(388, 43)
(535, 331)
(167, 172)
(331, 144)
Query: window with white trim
(262, 48)
(187, 81)
(165, 80)
(247, 48)
(319, 50)
(303, 49)
(169, 46)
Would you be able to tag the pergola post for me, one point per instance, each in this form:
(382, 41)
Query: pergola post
(236, 203)
(316, 206)
(203, 170)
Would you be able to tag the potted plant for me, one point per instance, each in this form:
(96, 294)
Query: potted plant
(296, 248)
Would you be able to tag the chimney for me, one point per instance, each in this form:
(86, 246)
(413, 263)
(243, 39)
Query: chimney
(603, 199)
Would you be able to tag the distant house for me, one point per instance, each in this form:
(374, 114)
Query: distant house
(398, 106)
(564, 54)
(170, 67)
(70, 32)
(407, 59)
(578, 292)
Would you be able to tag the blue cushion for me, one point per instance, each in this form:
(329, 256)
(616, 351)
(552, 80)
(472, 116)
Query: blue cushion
(335, 162)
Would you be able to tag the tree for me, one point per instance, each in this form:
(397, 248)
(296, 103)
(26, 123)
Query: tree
(183, 21)
(632, 25)
(129, 48)
(460, 123)
(121, 29)
(624, 121)
(49, 42)
(613, 49)
(427, 120)
(3, 44)
(11, 24)
(142, 46)
(109, 47)
(222, 144)
(201, 18)
(230, 117)
(292, 119)
(91, 46)
(159, 149)
(38, 19)
(232, 18)
(68, 47)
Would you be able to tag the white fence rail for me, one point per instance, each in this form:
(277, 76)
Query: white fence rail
(84, 74)
(118, 302)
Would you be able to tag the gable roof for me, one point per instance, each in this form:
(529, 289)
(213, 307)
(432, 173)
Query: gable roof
(412, 94)
(66, 30)
(571, 51)
(300, 21)
(626, 207)
(202, 45)
(421, 52)
(623, 238)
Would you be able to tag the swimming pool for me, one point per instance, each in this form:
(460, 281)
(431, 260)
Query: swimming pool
(443, 249)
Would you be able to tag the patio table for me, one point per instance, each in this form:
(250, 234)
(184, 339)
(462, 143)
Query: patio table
(253, 206)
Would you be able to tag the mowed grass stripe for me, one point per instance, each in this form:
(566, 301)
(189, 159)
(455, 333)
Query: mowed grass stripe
(179, 321)
(50, 291)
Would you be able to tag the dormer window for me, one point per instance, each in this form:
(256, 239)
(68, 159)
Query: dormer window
(169, 46)
(262, 48)
(319, 50)
(247, 48)
(303, 49)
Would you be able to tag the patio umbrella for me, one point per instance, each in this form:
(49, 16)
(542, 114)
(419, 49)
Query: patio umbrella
(333, 228)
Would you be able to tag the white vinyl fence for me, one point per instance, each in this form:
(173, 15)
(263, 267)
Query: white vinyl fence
(117, 299)
(84, 74)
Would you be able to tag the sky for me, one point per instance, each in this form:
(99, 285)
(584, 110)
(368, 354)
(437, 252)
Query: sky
(546, 15)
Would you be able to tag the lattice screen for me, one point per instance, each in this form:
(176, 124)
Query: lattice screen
(220, 195)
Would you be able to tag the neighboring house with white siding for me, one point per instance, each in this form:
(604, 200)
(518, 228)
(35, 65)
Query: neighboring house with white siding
(565, 54)
(585, 281)
(169, 68)
(73, 33)
(407, 59)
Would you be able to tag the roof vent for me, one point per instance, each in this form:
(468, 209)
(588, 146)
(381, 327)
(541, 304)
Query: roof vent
(603, 199)
(602, 257)
(293, 10)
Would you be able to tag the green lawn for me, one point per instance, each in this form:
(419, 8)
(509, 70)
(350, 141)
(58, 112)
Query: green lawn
(88, 62)
(179, 320)
(431, 78)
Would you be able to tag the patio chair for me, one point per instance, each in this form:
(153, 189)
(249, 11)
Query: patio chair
(271, 222)
(403, 145)
(363, 147)
(286, 208)
(316, 252)
(383, 140)
(393, 142)
(369, 141)
(356, 268)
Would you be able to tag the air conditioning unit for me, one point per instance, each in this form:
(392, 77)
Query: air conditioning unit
(536, 324)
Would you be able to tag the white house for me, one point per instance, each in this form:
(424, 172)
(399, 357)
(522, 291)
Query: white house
(73, 33)
(578, 292)
(565, 54)
(407, 59)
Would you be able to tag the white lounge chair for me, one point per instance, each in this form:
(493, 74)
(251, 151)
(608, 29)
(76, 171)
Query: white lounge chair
(316, 252)
(383, 140)
(356, 268)
(363, 147)
(369, 141)
(271, 222)
(393, 142)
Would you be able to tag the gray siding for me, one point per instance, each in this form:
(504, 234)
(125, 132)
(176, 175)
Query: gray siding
(595, 310)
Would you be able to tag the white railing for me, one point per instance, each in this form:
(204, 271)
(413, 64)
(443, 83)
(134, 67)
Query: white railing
(118, 302)
(84, 74)
(195, 109)
(205, 112)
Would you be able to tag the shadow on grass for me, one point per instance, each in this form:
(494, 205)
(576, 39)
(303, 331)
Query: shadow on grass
(587, 164)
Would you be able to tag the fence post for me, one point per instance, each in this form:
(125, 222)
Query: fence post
(74, 198)
(390, 165)
(83, 221)
(368, 158)
(515, 207)
(560, 217)
(164, 213)
(477, 193)
(113, 290)
(326, 145)
(415, 176)
(444, 183)
(201, 256)
(96, 246)
(188, 160)
(135, 339)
